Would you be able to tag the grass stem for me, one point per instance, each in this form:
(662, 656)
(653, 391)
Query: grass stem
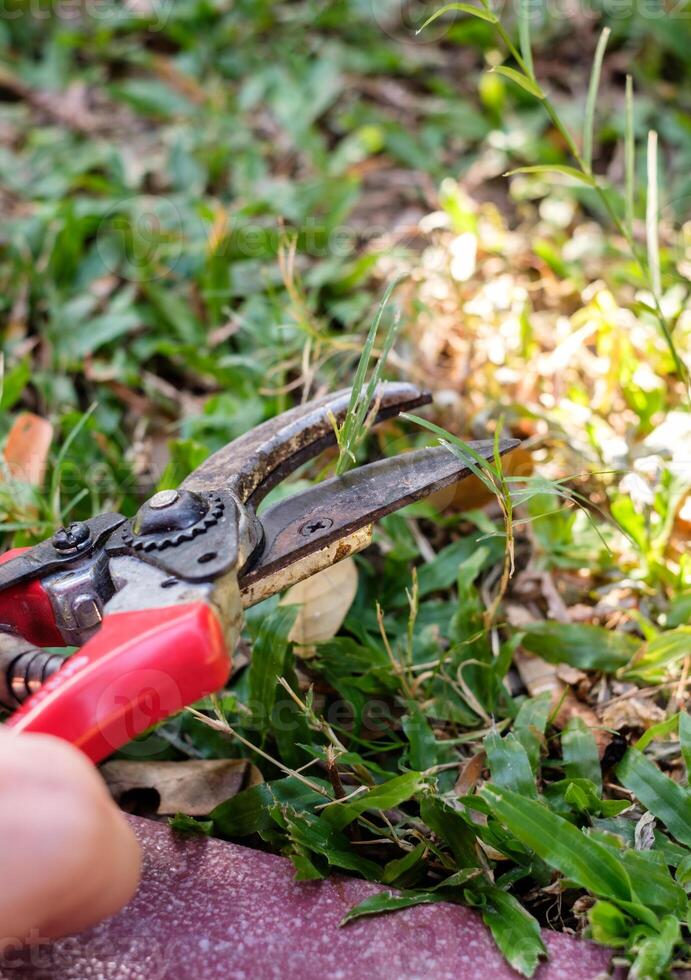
(591, 100)
(651, 218)
(630, 156)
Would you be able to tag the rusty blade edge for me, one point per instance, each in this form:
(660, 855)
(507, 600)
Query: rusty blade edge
(326, 441)
(314, 519)
(255, 462)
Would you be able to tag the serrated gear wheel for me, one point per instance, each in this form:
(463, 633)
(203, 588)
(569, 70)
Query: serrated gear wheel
(148, 542)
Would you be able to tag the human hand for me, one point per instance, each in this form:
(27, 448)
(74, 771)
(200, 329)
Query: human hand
(67, 857)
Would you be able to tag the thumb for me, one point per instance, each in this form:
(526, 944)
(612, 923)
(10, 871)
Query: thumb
(65, 847)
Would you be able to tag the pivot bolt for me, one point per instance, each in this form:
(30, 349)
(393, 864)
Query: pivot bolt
(165, 498)
(169, 511)
(74, 537)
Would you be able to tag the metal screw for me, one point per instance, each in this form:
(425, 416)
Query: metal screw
(74, 537)
(165, 498)
(311, 527)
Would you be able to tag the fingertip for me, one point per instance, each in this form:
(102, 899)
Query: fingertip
(85, 861)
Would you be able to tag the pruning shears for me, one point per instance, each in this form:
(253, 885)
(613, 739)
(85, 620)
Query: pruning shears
(155, 604)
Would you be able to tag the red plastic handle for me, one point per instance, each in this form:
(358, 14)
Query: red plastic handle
(140, 668)
(28, 610)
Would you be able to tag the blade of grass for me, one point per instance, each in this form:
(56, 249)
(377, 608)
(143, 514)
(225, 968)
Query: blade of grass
(685, 740)
(585, 646)
(655, 952)
(560, 844)
(506, 503)
(524, 35)
(269, 652)
(629, 154)
(667, 800)
(524, 81)
(651, 881)
(382, 797)
(509, 764)
(388, 902)
(493, 478)
(651, 214)
(453, 827)
(579, 751)
(515, 931)
(529, 726)
(554, 168)
(54, 492)
(482, 468)
(464, 8)
(663, 728)
(497, 483)
(657, 655)
(593, 88)
(353, 430)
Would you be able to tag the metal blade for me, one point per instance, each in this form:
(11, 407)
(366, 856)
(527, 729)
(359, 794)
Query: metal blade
(255, 462)
(330, 511)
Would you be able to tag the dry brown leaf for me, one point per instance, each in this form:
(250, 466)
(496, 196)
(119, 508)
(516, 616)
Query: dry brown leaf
(517, 615)
(580, 612)
(27, 448)
(644, 834)
(556, 607)
(570, 708)
(571, 675)
(324, 601)
(539, 676)
(631, 713)
(492, 853)
(193, 787)
(470, 774)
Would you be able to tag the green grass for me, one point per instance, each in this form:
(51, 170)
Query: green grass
(204, 212)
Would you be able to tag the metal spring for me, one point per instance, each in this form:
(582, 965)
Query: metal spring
(25, 674)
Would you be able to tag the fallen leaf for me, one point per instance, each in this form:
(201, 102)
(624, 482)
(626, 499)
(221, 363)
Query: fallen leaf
(571, 675)
(644, 833)
(324, 601)
(470, 774)
(517, 615)
(631, 713)
(27, 448)
(556, 607)
(570, 708)
(195, 787)
(539, 676)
